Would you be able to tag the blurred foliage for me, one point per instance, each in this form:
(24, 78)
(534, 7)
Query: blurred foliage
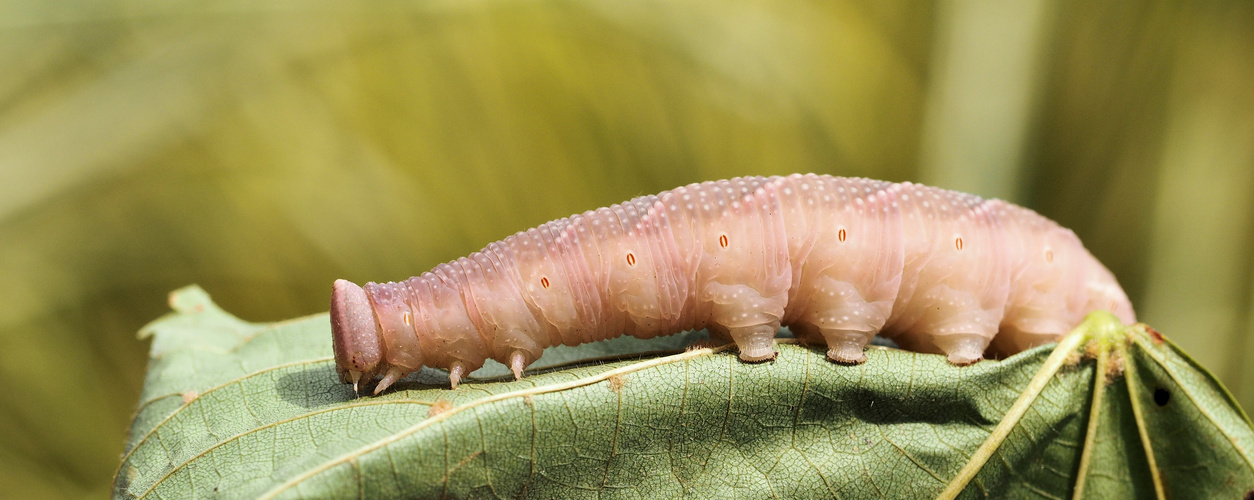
(262, 150)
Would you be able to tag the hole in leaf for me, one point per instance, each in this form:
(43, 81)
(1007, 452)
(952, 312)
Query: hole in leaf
(1161, 397)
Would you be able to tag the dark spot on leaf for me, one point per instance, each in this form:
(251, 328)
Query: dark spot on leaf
(1249, 495)
(1161, 396)
(1157, 337)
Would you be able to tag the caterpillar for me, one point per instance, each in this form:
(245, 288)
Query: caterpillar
(837, 260)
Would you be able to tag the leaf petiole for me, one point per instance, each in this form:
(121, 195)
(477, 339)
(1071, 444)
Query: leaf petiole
(1100, 326)
(1095, 410)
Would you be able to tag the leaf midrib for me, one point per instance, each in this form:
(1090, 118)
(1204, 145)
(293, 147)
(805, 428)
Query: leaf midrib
(581, 382)
(140, 442)
(276, 423)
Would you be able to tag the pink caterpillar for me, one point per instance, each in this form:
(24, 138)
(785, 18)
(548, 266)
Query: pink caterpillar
(838, 260)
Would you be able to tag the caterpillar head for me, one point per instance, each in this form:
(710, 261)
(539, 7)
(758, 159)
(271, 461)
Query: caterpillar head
(375, 330)
(354, 333)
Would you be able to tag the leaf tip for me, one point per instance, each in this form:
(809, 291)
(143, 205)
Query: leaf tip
(190, 299)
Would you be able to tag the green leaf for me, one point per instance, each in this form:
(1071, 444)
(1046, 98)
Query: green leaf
(255, 410)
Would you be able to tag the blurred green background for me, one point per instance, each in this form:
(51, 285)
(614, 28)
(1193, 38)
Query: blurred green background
(262, 149)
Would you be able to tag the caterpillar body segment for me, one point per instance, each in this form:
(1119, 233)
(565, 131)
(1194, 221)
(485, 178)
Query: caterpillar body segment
(838, 260)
